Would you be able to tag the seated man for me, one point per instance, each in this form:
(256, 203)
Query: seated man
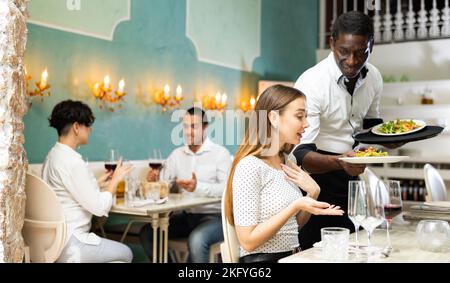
(200, 168)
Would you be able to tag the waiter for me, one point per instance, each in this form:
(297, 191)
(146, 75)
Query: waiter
(343, 95)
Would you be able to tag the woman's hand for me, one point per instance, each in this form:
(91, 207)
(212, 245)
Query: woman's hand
(121, 171)
(296, 175)
(103, 181)
(315, 207)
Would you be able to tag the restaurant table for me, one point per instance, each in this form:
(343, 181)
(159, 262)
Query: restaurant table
(403, 238)
(158, 216)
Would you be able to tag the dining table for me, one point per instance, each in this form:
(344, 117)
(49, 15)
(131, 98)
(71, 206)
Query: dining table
(157, 215)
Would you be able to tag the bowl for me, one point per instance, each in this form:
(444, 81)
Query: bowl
(433, 235)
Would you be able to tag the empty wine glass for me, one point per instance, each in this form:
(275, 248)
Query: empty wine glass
(356, 209)
(391, 195)
(374, 210)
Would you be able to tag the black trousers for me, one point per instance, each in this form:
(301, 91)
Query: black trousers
(334, 190)
(266, 257)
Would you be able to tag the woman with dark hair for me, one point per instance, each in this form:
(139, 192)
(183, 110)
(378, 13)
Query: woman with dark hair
(264, 198)
(80, 194)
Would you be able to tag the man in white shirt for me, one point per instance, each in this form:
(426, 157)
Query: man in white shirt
(343, 96)
(78, 190)
(200, 168)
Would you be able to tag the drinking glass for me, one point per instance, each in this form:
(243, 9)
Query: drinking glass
(334, 243)
(391, 193)
(356, 209)
(374, 211)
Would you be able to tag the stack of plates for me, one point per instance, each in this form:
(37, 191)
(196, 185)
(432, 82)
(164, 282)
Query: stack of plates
(435, 207)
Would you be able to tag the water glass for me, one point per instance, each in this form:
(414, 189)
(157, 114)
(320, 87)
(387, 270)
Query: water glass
(335, 243)
(433, 235)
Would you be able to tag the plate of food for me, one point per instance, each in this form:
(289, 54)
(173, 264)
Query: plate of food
(399, 127)
(372, 155)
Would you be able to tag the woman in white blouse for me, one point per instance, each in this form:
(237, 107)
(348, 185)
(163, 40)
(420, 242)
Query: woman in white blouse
(264, 198)
(81, 195)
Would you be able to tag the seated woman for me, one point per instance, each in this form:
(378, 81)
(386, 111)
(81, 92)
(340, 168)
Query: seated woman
(264, 198)
(80, 195)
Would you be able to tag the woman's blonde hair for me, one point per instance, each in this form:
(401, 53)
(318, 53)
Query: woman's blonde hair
(275, 98)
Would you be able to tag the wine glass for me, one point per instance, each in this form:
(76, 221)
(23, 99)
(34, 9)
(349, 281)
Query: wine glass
(356, 209)
(392, 203)
(374, 210)
(111, 160)
(155, 160)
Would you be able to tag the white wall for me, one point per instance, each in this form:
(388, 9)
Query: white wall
(419, 60)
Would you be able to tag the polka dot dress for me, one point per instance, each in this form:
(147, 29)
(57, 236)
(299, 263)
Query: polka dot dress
(260, 192)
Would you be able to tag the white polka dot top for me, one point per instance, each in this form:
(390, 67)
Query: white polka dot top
(260, 192)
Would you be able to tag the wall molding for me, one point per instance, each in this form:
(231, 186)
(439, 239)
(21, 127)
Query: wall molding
(221, 63)
(109, 37)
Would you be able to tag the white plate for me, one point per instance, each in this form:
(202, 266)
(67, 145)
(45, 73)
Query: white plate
(373, 160)
(420, 123)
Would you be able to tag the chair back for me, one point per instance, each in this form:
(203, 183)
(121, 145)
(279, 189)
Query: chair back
(230, 246)
(44, 229)
(436, 190)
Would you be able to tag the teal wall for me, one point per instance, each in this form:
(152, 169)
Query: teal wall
(149, 50)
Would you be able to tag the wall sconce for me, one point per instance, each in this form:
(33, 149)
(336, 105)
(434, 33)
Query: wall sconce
(103, 92)
(167, 101)
(217, 102)
(42, 87)
(247, 105)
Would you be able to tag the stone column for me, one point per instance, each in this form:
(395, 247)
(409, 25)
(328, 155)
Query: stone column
(13, 107)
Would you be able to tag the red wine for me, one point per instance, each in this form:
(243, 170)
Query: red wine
(392, 210)
(155, 165)
(110, 166)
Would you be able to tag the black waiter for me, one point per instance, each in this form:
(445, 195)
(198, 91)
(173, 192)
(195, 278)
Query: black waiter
(343, 96)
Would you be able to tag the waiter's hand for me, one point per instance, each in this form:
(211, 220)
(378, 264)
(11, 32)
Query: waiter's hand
(351, 169)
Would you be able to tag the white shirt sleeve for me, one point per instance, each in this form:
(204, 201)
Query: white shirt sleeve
(168, 173)
(223, 163)
(374, 110)
(84, 189)
(246, 192)
(313, 106)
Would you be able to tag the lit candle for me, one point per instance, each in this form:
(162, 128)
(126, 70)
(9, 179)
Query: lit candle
(218, 98)
(244, 105)
(224, 99)
(96, 89)
(121, 86)
(166, 92)
(252, 102)
(106, 82)
(44, 77)
(179, 94)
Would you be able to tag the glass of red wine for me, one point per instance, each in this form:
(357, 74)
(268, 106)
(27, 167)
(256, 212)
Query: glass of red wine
(155, 160)
(111, 160)
(392, 203)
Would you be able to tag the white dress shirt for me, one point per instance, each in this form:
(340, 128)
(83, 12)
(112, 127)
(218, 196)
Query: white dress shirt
(333, 114)
(211, 165)
(77, 189)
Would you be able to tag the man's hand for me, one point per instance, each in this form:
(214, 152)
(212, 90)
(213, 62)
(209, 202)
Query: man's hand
(153, 175)
(188, 185)
(351, 169)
